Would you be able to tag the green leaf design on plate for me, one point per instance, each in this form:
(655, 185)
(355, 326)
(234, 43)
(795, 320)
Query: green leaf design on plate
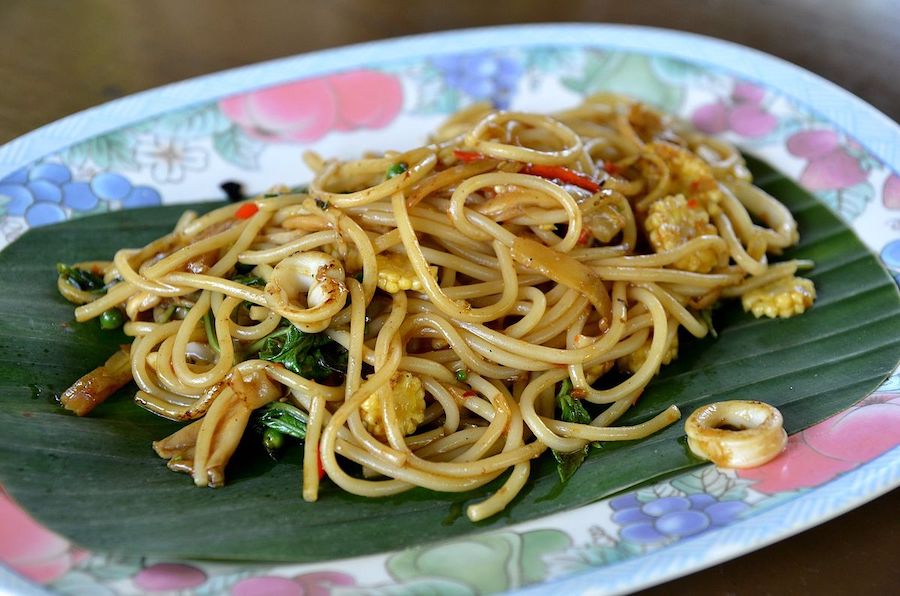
(80, 582)
(234, 146)
(417, 587)
(97, 481)
(629, 74)
(678, 72)
(849, 202)
(193, 122)
(595, 555)
(114, 150)
(713, 482)
(489, 563)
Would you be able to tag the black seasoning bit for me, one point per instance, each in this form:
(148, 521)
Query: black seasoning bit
(233, 190)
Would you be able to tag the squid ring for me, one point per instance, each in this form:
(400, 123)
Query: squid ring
(736, 434)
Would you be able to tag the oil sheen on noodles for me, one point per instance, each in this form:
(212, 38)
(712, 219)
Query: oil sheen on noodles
(508, 288)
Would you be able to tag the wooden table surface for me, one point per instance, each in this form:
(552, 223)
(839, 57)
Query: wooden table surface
(62, 57)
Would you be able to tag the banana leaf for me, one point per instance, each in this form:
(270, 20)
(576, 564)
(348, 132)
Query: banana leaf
(97, 481)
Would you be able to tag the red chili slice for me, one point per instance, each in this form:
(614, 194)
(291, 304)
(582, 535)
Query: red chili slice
(246, 211)
(563, 175)
(467, 156)
(584, 237)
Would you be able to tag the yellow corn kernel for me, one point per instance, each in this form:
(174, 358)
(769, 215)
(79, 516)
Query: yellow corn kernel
(783, 298)
(396, 273)
(672, 221)
(409, 405)
(632, 362)
(689, 175)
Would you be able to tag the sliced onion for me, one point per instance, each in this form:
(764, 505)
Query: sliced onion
(562, 269)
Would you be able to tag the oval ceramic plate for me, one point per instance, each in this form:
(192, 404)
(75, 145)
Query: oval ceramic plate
(178, 143)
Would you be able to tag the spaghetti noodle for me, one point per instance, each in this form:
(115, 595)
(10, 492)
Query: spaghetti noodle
(440, 316)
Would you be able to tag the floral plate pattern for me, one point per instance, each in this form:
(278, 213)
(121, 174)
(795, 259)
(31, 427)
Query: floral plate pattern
(253, 124)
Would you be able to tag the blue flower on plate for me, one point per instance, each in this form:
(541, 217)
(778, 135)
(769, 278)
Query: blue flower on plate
(672, 518)
(43, 193)
(890, 256)
(482, 76)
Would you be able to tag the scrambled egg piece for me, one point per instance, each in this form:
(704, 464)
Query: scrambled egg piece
(647, 123)
(396, 273)
(783, 298)
(409, 405)
(674, 220)
(689, 175)
(632, 362)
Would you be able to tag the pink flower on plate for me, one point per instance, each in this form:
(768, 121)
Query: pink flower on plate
(891, 193)
(169, 577)
(711, 118)
(832, 447)
(831, 166)
(317, 583)
(305, 111)
(30, 549)
(751, 121)
(747, 93)
(743, 113)
(271, 585)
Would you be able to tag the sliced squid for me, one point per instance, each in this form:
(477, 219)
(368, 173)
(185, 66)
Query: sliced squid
(737, 433)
